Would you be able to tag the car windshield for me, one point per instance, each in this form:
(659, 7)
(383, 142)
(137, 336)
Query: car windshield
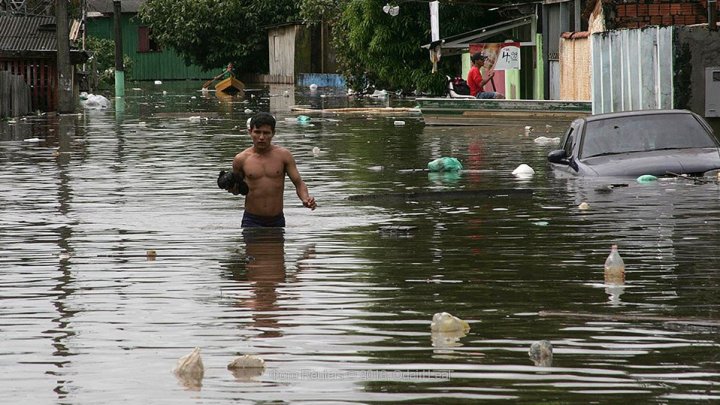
(644, 133)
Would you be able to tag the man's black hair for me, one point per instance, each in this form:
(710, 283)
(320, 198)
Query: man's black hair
(261, 119)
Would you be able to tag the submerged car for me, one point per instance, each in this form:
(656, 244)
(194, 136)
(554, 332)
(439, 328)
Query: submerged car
(635, 143)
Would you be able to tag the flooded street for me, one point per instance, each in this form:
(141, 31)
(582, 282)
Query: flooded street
(339, 304)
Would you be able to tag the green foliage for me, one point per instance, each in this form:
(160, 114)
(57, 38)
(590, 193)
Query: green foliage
(388, 49)
(103, 54)
(211, 33)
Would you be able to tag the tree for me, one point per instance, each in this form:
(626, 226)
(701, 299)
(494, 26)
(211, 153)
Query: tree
(211, 33)
(387, 50)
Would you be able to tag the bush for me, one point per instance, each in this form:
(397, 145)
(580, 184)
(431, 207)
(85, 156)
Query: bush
(103, 52)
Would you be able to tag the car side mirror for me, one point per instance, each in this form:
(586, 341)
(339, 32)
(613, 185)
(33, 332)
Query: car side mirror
(558, 156)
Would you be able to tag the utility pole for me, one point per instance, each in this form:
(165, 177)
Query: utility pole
(119, 69)
(66, 101)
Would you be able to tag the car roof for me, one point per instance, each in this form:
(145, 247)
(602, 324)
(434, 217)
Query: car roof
(635, 113)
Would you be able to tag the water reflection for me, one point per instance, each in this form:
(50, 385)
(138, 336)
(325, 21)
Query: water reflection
(86, 316)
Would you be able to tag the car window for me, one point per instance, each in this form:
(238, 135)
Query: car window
(569, 142)
(644, 133)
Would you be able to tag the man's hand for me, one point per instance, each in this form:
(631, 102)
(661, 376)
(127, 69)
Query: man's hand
(310, 203)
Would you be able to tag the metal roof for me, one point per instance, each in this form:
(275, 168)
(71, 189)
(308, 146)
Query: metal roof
(21, 33)
(457, 43)
(106, 6)
(31, 33)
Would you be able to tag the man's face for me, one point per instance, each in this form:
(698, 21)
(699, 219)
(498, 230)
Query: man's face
(261, 136)
(480, 62)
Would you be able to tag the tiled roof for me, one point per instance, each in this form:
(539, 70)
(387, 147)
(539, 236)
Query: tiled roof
(106, 6)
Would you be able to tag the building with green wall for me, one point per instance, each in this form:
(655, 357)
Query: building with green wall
(149, 62)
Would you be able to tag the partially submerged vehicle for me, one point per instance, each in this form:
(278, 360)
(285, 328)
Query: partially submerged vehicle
(636, 143)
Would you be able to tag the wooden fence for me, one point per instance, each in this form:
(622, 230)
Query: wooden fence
(40, 75)
(15, 95)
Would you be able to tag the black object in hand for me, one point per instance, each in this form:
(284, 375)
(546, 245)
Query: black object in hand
(227, 181)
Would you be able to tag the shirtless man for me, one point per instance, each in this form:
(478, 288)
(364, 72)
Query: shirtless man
(264, 167)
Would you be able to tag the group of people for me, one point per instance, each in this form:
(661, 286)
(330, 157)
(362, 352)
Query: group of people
(475, 79)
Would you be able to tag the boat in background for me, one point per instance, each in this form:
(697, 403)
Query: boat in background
(230, 86)
(471, 111)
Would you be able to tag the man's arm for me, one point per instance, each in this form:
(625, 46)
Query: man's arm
(237, 165)
(300, 186)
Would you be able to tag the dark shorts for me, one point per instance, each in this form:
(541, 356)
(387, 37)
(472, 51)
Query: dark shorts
(254, 221)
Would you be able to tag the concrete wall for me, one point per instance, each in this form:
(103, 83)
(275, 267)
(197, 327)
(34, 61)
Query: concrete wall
(695, 49)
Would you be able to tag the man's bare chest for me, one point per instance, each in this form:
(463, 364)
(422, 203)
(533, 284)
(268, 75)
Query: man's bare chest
(257, 168)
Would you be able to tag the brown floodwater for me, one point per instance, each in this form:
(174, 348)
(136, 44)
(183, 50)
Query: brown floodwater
(120, 255)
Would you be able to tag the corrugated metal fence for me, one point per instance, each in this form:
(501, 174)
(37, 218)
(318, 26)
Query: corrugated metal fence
(14, 95)
(632, 69)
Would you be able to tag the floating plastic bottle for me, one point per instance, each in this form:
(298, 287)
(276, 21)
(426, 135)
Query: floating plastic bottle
(614, 267)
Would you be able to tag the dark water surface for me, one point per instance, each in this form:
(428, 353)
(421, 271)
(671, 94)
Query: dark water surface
(339, 304)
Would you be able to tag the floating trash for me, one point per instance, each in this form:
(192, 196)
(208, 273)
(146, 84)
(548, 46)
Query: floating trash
(151, 255)
(303, 118)
(646, 178)
(544, 140)
(313, 87)
(541, 353)
(246, 367)
(158, 82)
(614, 267)
(445, 164)
(190, 370)
(523, 171)
(399, 123)
(247, 361)
(445, 322)
(248, 111)
(584, 206)
(316, 151)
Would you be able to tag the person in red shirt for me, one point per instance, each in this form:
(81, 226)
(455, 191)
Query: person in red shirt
(476, 81)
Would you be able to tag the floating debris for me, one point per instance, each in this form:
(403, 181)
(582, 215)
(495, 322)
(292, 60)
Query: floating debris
(544, 140)
(399, 123)
(396, 229)
(445, 322)
(523, 171)
(541, 353)
(316, 151)
(151, 255)
(584, 206)
(646, 178)
(190, 370)
(246, 367)
(614, 267)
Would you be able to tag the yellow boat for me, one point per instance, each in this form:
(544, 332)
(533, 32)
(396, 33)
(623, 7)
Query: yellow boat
(230, 86)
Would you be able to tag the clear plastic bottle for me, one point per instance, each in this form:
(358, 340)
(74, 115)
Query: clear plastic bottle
(614, 267)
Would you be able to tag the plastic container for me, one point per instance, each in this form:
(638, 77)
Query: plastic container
(614, 267)
(445, 164)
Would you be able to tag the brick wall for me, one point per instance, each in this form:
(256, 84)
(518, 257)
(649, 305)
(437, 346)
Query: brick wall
(640, 13)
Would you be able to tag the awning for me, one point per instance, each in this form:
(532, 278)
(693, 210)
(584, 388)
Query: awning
(461, 42)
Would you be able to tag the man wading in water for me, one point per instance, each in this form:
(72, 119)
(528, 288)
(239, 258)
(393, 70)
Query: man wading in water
(259, 171)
